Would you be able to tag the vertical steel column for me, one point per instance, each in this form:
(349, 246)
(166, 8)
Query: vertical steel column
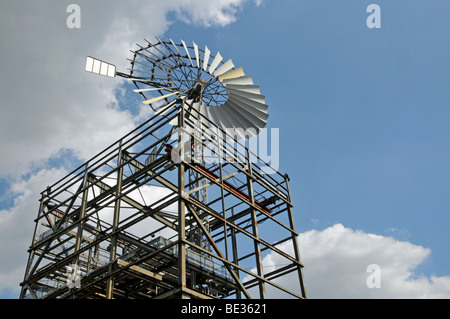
(225, 237)
(113, 251)
(181, 208)
(294, 238)
(235, 253)
(31, 256)
(57, 226)
(81, 217)
(259, 266)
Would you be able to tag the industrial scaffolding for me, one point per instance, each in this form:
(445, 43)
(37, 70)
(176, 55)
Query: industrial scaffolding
(134, 220)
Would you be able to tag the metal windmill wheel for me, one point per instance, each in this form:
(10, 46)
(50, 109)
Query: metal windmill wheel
(216, 89)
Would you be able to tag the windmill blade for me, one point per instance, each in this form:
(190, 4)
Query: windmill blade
(231, 74)
(244, 104)
(187, 52)
(193, 106)
(176, 48)
(212, 115)
(221, 121)
(206, 59)
(159, 98)
(218, 58)
(246, 95)
(155, 60)
(246, 88)
(149, 81)
(235, 128)
(196, 107)
(255, 118)
(204, 117)
(147, 66)
(154, 89)
(224, 121)
(197, 55)
(161, 67)
(250, 104)
(240, 122)
(167, 60)
(224, 68)
(172, 55)
(138, 79)
(245, 80)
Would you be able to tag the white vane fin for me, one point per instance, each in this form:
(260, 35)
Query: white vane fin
(204, 117)
(187, 52)
(226, 125)
(174, 121)
(212, 115)
(231, 74)
(159, 98)
(245, 80)
(197, 56)
(236, 102)
(218, 58)
(206, 59)
(236, 129)
(250, 103)
(173, 44)
(258, 122)
(246, 88)
(224, 68)
(244, 124)
(154, 89)
(245, 95)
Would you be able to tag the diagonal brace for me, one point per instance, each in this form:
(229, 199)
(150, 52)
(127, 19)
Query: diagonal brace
(218, 252)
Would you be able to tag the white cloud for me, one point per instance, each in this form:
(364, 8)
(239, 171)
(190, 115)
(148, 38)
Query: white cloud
(209, 13)
(17, 226)
(259, 2)
(336, 261)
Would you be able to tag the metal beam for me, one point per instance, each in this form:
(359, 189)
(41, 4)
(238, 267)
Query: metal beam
(218, 252)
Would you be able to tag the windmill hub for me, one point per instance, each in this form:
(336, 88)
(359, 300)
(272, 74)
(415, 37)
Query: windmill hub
(195, 93)
(201, 82)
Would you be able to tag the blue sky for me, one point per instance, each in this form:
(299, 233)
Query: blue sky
(363, 113)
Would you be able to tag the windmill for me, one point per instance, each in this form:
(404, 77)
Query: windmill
(206, 83)
(229, 214)
(214, 88)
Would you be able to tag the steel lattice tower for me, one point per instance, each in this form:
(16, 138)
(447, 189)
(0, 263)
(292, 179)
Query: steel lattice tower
(177, 208)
